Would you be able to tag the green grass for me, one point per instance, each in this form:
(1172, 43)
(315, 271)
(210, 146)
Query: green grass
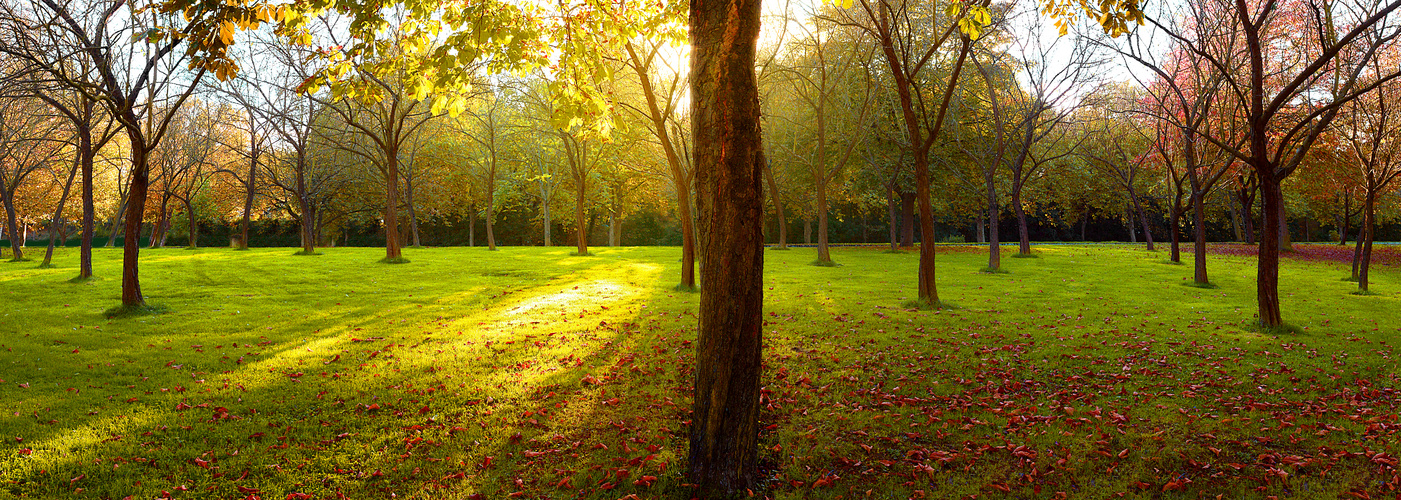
(467, 371)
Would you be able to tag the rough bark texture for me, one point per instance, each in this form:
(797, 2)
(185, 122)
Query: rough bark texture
(1267, 273)
(135, 210)
(392, 248)
(729, 175)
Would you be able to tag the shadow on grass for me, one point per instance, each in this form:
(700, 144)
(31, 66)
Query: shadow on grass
(394, 260)
(304, 252)
(1196, 284)
(1032, 255)
(994, 270)
(126, 311)
(824, 263)
(925, 305)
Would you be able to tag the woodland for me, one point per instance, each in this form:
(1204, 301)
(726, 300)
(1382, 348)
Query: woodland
(624, 249)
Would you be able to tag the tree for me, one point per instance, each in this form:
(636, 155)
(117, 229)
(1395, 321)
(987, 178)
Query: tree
(1275, 95)
(729, 157)
(1373, 135)
(910, 37)
(827, 64)
(132, 67)
(27, 148)
(1119, 149)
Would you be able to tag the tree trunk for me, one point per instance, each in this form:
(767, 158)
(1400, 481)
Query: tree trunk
(12, 228)
(135, 210)
(1286, 244)
(1142, 217)
(309, 231)
(890, 207)
(1176, 234)
(248, 200)
(777, 206)
(472, 226)
(807, 230)
(1247, 203)
(994, 236)
(581, 234)
(612, 229)
(1369, 227)
(1128, 218)
(1024, 239)
(907, 220)
(730, 160)
(392, 248)
(1267, 273)
(1199, 237)
(85, 150)
(491, 221)
(194, 225)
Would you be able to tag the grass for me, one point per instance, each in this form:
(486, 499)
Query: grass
(1089, 371)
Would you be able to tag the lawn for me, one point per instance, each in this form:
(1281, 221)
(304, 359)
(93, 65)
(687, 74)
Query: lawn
(529, 373)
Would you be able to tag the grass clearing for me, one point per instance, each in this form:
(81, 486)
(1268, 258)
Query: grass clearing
(1090, 371)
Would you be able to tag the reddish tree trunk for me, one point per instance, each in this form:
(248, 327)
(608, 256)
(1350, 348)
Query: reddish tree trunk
(392, 245)
(730, 161)
(135, 211)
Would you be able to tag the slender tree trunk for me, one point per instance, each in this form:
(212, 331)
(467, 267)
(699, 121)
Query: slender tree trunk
(12, 228)
(1024, 237)
(777, 206)
(545, 214)
(1128, 218)
(1344, 219)
(1084, 223)
(994, 225)
(1142, 217)
(193, 222)
(581, 233)
(85, 151)
(807, 230)
(491, 221)
(890, 207)
(1357, 251)
(1176, 234)
(1199, 237)
(730, 160)
(1247, 203)
(980, 228)
(472, 226)
(248, 200)
(162, 223)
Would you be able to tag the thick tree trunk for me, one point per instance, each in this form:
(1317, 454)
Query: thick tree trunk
(1267, 273)
(309, 231)
(730, 160)
(392, 246)
(1369, 225)
(823, 254)
(135, 210)
(1286, 244)
(907, 220)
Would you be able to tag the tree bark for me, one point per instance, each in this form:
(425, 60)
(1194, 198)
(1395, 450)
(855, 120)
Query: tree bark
(193, 223)
(12, 228)
(413, 212)
(1267, 273)
(1369, 225)
(1199, 237)
(994, 238)
(581, 234)
(730, 161)
(392, 248)
(85, 151)
(907, 220)
(248, 196)
(135, 210)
